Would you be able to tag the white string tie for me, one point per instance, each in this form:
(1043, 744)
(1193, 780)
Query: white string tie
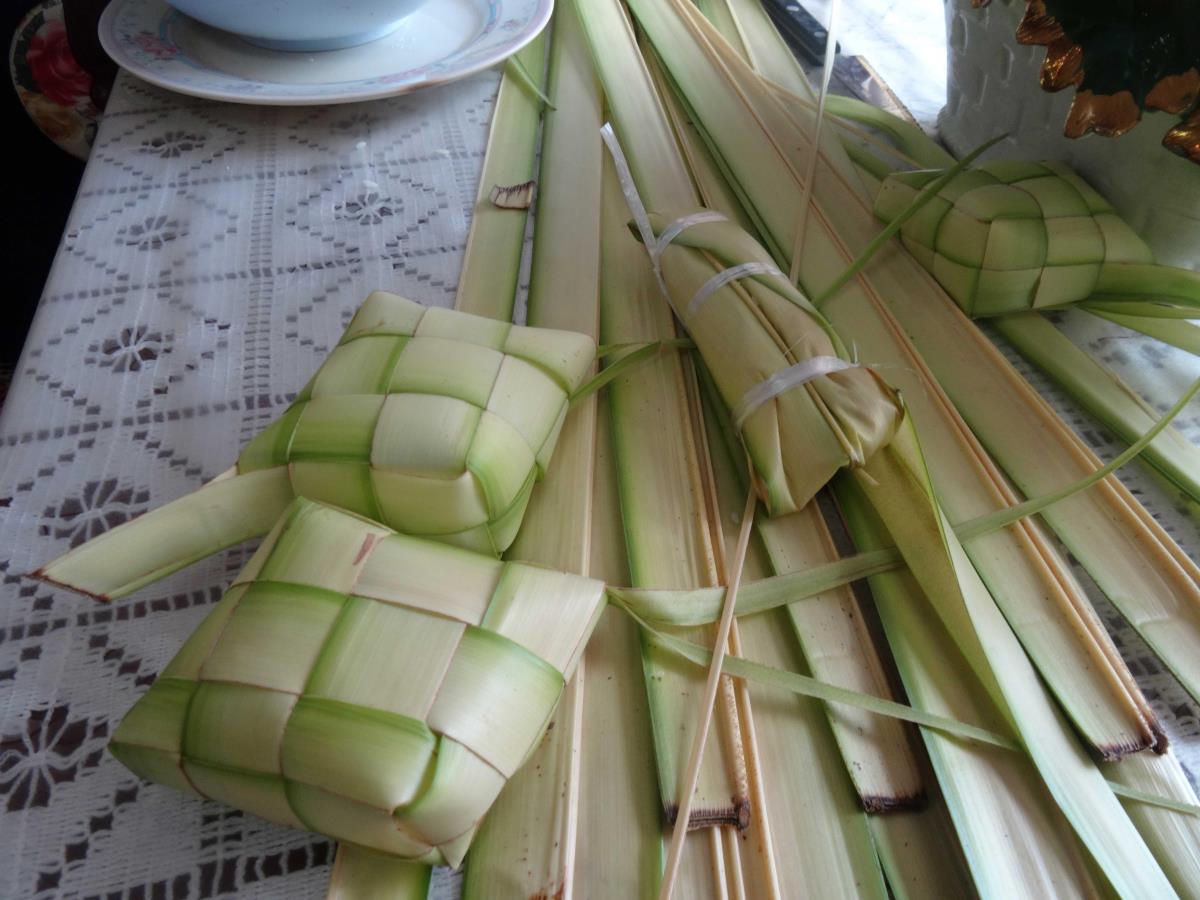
(784, 380)
(722, 278)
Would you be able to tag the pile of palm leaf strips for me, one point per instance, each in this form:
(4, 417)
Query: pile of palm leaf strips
(848, 656)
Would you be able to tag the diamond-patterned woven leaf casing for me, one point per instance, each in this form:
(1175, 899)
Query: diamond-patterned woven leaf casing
(434, 422)
(376, 688)
(1008, 237)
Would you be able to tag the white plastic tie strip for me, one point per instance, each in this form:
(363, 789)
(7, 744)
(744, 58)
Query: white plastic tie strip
(655, 246)
(784, 380)
(722, 278)
(679, 226)
(629, 189)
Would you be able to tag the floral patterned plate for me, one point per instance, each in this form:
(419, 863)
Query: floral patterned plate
(54, 89)
(439, 42)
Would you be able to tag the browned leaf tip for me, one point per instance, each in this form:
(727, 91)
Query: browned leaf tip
(1161, 741)
(737, 814)
(40, 575)
(877, 804)
(516, 196)
(1155, 739)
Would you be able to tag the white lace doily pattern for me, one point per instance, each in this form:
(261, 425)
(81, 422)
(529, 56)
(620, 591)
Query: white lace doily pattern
(213, 256)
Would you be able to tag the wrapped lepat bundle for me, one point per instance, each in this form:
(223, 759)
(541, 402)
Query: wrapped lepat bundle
(372, 687)
(804, 408)
(433, 422)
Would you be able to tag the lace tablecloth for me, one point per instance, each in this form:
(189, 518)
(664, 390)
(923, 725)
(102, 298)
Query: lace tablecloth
(213, 256)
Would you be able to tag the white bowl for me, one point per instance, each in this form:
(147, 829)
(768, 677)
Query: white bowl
(301, 25)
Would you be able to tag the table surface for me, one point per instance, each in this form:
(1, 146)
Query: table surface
(213, 256)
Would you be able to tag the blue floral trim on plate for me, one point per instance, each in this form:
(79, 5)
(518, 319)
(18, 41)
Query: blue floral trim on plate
(143, 37)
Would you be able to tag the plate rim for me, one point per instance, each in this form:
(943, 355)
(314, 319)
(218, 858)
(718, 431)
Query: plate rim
(116, 51)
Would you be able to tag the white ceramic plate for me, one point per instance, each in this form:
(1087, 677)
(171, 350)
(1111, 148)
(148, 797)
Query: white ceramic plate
(439, 42)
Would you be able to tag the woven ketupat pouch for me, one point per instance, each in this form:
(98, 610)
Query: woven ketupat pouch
(372, 687)
(1011, 236)
(434, 422)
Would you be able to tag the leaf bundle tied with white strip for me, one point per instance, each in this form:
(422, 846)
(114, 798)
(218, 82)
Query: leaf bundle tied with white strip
(805, 409)
(372, 687)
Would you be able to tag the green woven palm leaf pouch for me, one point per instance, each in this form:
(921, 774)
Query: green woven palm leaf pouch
(372, 687)
(434, 422)
(1010, 236)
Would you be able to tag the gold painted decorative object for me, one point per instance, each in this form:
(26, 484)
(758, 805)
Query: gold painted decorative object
(1123, 58)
